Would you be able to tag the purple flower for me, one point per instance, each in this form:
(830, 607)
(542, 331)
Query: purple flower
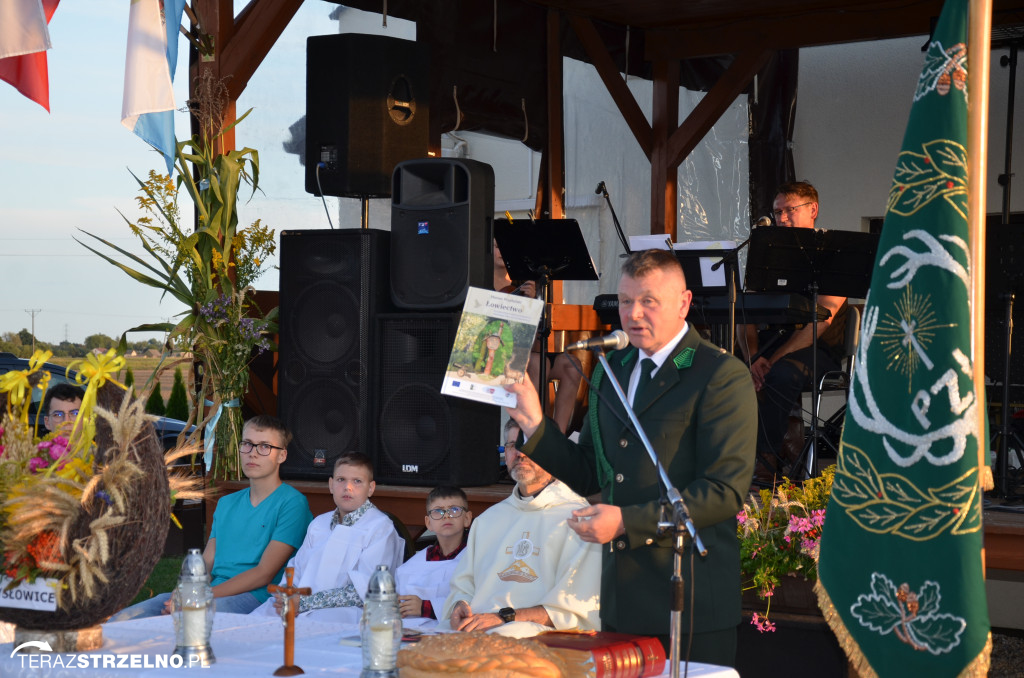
(37, 464)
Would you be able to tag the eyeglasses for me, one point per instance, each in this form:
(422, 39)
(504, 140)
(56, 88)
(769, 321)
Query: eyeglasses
(453, 511)
(507, 446)
(263, 449)
(59, 415)
(788, 211)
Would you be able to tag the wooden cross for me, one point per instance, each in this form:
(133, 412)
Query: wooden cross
(286, 594)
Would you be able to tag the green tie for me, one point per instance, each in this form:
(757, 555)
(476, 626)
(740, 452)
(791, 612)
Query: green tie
(646, 368)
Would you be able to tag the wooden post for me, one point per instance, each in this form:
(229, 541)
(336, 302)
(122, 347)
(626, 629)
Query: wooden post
(286, 595)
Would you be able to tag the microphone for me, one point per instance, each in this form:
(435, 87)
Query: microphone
(763, 221)
(616, 340)
(600, 188)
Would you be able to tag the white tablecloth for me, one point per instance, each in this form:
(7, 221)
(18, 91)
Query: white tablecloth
(245, 647)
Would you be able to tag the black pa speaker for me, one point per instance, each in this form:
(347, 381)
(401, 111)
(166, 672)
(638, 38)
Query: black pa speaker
(332, 285)
(442, 213)
(425, 438)
(367, 109)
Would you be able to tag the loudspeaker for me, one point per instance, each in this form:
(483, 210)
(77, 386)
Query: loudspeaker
(442, 213)
(333, 283)
(367, 109)
(426, 438)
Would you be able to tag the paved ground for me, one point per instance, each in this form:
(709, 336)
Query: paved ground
(1007, 656)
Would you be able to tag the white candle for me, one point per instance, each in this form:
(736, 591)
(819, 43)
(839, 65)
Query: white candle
(194, 620)
(381, 641)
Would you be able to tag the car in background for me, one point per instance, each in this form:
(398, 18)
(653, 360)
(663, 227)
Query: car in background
(167, 429)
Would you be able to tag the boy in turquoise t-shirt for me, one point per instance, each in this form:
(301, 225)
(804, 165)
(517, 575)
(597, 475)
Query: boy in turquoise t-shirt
(255, 531)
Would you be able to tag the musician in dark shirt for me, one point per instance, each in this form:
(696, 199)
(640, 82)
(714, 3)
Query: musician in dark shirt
(782, 371)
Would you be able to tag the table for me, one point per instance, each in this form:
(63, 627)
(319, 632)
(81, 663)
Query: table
(245, 647)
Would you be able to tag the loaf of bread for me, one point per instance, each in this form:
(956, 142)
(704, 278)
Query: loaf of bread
(478, 655)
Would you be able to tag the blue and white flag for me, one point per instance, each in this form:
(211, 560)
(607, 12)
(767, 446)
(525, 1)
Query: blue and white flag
(148, 107)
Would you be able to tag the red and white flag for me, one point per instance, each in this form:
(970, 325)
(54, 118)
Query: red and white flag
(24, 39)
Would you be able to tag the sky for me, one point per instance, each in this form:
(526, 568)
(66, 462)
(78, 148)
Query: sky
(69, 171)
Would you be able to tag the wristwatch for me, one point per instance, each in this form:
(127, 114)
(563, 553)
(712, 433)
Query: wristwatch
(507, 614)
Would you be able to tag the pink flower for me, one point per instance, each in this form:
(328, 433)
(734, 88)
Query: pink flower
(762, 624)
(36, 464)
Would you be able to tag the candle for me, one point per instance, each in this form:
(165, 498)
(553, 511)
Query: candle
(194, 621)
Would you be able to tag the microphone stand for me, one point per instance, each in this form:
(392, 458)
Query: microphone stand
(680, 519)
(731, 261)
(603, 190)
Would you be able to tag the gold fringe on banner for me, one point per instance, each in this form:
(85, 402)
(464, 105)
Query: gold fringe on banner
(977, 668)
(858, 662)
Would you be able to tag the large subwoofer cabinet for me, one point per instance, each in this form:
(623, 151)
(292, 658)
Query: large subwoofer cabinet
(425, 438)
(333, 285)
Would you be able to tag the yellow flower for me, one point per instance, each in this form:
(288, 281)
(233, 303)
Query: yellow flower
(17, 386)
(93, 373)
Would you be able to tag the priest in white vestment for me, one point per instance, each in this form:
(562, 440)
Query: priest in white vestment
(523, 570)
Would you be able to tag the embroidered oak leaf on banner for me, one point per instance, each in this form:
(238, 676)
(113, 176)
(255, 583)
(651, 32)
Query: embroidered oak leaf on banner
(913, 617)
(888, 503)
(939, 171)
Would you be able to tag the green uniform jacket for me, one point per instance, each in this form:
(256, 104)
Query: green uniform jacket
(700, 414)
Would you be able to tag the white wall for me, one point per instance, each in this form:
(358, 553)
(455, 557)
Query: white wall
(853, 102)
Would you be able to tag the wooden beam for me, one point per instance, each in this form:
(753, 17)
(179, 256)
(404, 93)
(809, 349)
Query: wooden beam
(806, 27)
(556, 131)
(715, 102)
(255, 31)
(664, 173)
(613, 82)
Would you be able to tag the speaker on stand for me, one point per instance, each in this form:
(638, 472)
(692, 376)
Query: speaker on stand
(367, 109)
(333, 284)
(442, 213)
(426, 438)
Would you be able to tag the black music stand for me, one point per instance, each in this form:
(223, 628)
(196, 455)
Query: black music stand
(544, 250)
(700, 268)
(833, 263)
(1005, 282)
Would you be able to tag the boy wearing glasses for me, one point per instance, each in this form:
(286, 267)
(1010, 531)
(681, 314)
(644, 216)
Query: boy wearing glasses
(255, 531)
(343, 547)
(423, 580)
(60, 407)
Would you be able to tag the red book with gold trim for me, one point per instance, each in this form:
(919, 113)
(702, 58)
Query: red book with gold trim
(603, 654)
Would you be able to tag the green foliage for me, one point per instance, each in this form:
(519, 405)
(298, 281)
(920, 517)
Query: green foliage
(780, 532)
(129, 377)
(177, 402)
(209, 270)
(162, 579)
(155, 402)
(100, 341)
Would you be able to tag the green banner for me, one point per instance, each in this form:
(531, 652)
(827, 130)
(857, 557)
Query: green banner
(901, 577)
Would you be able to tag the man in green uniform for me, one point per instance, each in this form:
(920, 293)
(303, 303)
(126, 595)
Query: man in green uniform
(698, 409)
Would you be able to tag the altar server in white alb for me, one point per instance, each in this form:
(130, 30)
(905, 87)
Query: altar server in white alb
(343, 547)
(524, 571)
(423, 580)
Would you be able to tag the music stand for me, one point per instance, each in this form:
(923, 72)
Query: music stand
(705, 280)
(833, 263)
(544, 250)
(1004, 282)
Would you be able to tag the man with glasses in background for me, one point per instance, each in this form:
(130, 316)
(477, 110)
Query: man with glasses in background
(60, 407)
(255, 531)
(783, 370)
(524, 571)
